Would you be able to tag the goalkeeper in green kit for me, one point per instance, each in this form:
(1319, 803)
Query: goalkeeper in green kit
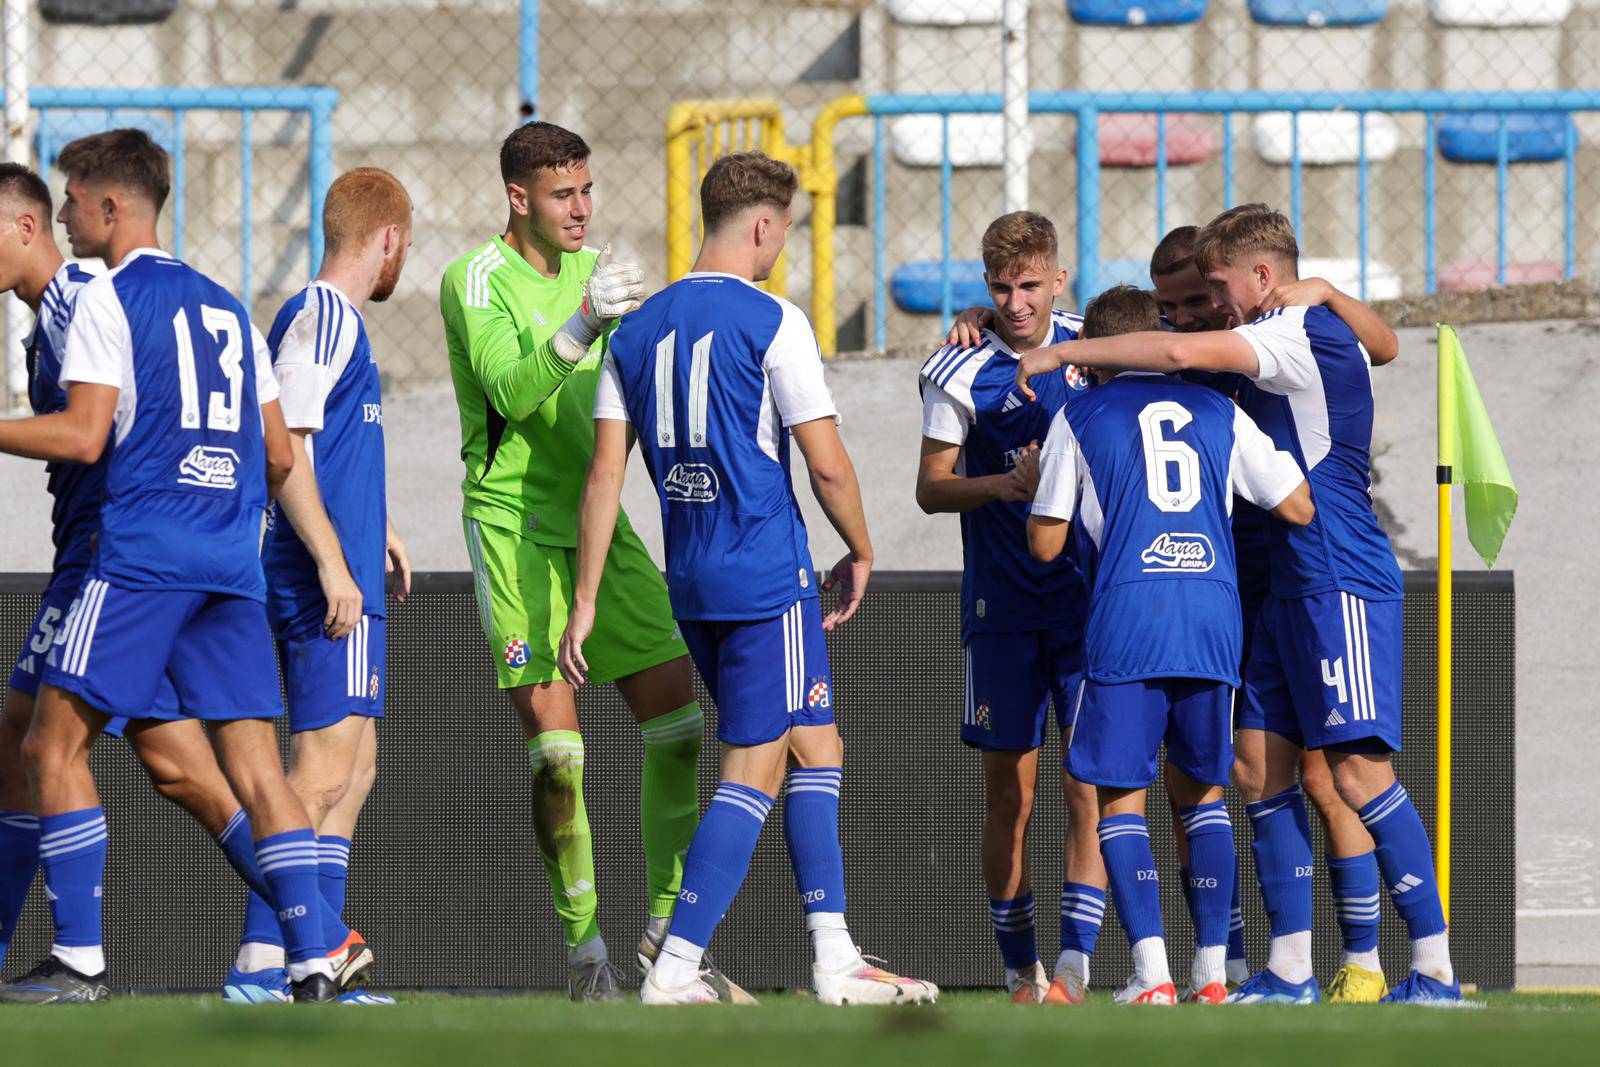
(525, 318)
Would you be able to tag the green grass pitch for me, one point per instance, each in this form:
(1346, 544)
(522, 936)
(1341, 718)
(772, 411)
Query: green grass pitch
(963, 1030)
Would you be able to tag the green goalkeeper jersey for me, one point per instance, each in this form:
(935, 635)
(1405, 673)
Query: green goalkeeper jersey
(527, 415)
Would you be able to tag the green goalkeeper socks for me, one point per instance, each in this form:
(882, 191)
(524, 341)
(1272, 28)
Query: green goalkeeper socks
(562, 824)
(669, 800)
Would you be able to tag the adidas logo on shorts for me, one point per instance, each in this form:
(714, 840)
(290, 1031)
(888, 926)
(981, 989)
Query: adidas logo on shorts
(1333, 719)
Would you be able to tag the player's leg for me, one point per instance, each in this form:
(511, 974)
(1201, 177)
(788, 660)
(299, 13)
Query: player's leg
(336, 831)
(1115, 746)
(1083, 889)
(1353, 878)
(19, 825)
(1199, 743)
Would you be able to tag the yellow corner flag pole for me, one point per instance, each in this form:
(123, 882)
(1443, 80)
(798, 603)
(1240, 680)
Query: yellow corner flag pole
(1444, 474)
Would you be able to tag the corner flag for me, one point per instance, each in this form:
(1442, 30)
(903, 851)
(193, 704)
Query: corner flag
(1469, 452)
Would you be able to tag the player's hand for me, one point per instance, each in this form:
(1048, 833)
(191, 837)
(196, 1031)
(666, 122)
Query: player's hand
(849, 576)
(1305, 293)
(397, 563)
(1032, 362)
(967, 330)
(569, 656)
(613, 290)
(1022, 481)
(343, 596)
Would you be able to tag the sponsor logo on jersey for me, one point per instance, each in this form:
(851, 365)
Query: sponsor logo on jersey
(818, 696)
(516, 652)
(1186, 552)
(693, 483)
(1012, 402)
(209, 467)
(372, 413)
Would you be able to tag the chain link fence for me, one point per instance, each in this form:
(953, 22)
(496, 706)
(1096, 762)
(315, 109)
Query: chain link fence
(428, 88)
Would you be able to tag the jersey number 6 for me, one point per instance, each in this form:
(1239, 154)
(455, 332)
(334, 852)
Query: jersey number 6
(1160, 454)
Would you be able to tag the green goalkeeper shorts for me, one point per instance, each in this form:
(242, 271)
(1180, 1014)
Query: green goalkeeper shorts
(524, 591)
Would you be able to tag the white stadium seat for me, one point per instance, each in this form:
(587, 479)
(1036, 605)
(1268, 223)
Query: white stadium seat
(945, 12)
(1383, 283)
(975, 140)
(1499, 12)
(1326, 137)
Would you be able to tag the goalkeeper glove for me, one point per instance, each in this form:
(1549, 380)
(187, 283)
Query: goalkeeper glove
(613, 290)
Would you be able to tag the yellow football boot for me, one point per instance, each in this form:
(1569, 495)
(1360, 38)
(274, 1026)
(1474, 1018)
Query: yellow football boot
(1356, 985)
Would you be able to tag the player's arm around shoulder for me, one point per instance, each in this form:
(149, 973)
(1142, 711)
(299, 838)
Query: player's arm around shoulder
(1056, 498)
(1157, 351)
(1267, 477)
(1381, 342)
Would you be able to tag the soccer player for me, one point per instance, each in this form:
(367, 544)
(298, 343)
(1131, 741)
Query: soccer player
(717, 375)
(524, 317)
(159, 378)
(1021, 621)
(325, 565)
(1325, 663)
(173, 749)
(1148, 466)
(1185, 302)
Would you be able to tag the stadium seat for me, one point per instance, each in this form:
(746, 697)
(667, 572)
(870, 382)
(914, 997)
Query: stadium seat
(945, 12)
(1531, 137)
(1499, 12)
(1318, 13)
(1134, 272)
(975, 140)
(1383, 283)
(1326, 137)
(916, 286)
(1482, 274)
(59, 127)
(1130, 140)
(1136, 12)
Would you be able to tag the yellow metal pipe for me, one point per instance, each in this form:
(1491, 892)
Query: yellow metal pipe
(820, 178)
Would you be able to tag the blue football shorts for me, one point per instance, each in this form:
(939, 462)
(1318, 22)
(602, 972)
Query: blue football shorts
(328, 681)
(1118, 729)
(1011, 680)
(765, 675)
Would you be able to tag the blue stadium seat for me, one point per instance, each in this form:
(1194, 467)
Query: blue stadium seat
(1531, 137)
(1134, 272)
(916, 286)
(58, 128)
(1318, 13)
(1136, 12)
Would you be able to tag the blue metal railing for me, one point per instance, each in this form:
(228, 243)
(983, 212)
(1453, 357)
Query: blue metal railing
(1087, 107)
(315, 102)
(528, 61)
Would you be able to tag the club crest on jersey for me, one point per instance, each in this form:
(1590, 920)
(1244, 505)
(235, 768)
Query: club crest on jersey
(693, 483)
(372, 686)
(209, 467)
(981, 718)
(818, 696)
(1077, 378)
(516, 653)
(1187, 552)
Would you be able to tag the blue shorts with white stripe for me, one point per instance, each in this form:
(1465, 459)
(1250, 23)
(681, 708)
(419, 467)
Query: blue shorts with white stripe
(1325, 672)
(116, 647)
(765, 675)
(328, 681)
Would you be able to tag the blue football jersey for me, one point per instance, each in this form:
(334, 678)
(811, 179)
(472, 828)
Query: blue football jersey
(328, 383)
(712, 371)
(970, 399)
(1146, 467)
(1250, 548)
(76, 488)
(1313, 397)
(186, 474)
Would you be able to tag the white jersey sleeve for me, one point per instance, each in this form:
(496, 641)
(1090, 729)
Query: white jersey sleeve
(1059, 463)
(1258, 471)
(793, 363)
(943, 417)
(313, 353)
(266, 383)
(608, 399)
(1282, 349)
(99, 341)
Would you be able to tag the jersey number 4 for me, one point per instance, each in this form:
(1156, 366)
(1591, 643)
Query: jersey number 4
(1171, 468)
(223, 407)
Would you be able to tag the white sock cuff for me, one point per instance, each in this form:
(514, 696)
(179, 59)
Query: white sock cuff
(85, 959)
(299, 972)
(825, 920)
(1150, 960)
(258, 956)
(684, 949)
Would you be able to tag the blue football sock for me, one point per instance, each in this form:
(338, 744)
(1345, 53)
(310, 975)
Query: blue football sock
(19, 862)
(289, 862)
(1282, 847)
(1211, 870)
(811, 828)
(333, 869)
(1083, 909)
(1013, 931)
(238, 844)
(718, 859)
(261, 923)
(1406, 860)
(72, 848)
(1188, 896)
(1354, 880)
(1131, 870)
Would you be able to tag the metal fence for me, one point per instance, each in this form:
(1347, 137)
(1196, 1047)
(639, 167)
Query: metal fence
(428, 88)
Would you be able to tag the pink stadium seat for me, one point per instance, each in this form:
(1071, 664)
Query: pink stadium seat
(1130, 140)
(1482, 274)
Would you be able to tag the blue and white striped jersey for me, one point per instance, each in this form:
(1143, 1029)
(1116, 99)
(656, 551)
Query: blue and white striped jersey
(969, 398)
(1313, 396)
(712, 371)
(186, 475)
(1146, 467)
(77, 488)
(329, 382)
